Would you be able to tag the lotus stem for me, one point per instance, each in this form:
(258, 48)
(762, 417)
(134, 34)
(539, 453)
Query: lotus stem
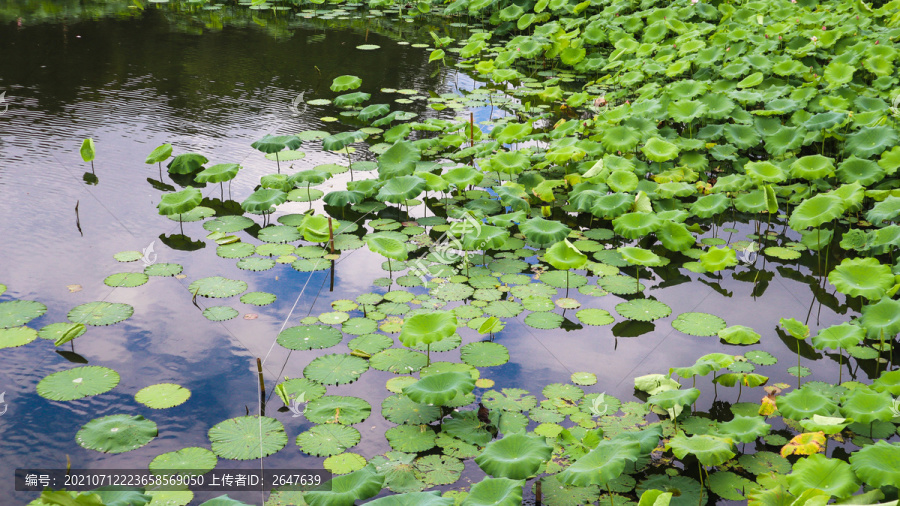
(428, 347)
(278, 162)
(180, 224)
(609, 491)
(160, 170)
(700, 502)
(840, 365)
(798, 363)
(309, 193)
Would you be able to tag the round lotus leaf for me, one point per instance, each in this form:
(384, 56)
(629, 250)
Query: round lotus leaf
(235, 250)
(191, 460)
(263, 200)
(698, 324)
(516, 456)
(401, 409)
(327, 439)
(218, 173)
(781, 253)
(77, 383)
(865, 277)
(359, 326)
(744, 429)
(196, 214)
(247, 437)
(100, 313)
(602, 464)
(337, 409)
(128, 256)
(877, 464)
(804, 403)
(595, 317)
(162, 395)
(126, 279)
(217, 287)
(564, 256)
(220, 313)
(164, 270)
(279, 234)
(411, 438)
(116, 433)
(346, 82)
(428, 327)
(335, 369)
(309, 337)
(865, 405)
(543, 232)
(816, 211)
(256, 264)
(881, 319)
(584, 378)
(620, 284)
(636, 225)
(832, 476)
(438, 389)
(179, 202)
(16, 313)
(716, 259)
(544, 320)
(228, 224)
(347, 489)
(509, 399)
(709, 450)
(17, 336)
(739, 334)
(258, 298)
(643, 310)
(344, 463)
(484, 354)
(370, 343)
(398, 361)
(710, 205)
(812, 167)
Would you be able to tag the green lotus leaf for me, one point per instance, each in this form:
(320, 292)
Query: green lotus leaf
(886, 210)
(399, 189)
(639, 256)
(785, 139)
(602, 464)
(309, 337)
(509, 162)
(401, 409)
(659, 150)
(347, 489)
(351, 99)
(77, 383)
(865, 405)
(612, 206)
(16, 313)
(765, 172)
(186, 163)
(564, 256)
(337, 409)
(484, 354)
(275, 143)
(217, 287)
(439, 389)
(674, 400)
(816, 211)
(511, 132)
(622, 181)
(889, 381)
(162, 395)
(739, 334)
(744, 429)
(179, 202)
(432, 498)
(335, 369)
(864, 172)
(870, 141)
(227, 224)
(495, 492)
(100, 313)
(643, 310)
(428, 328)
(636, 225)
(717, 259)
(675, 236)
(218, 173)
(516, 456)
(116, 433)
(327, 440)
(620, 138)
(812, 167)
(877, 464)
(411, 438)
(192, 461)
(825, 120)
(828, 424)
(804, 403)
(399, 160)
(60, 333)
(247, 437)
(709, 450)
(741, 136)
(710, 205)
(387, 247)
(698, 324)
(841, 336)
(343, 198)
(159, 154)
(346, 82)
(865, 277)
(881, 319)
(543, 232)
(341, 140)
(832, 476)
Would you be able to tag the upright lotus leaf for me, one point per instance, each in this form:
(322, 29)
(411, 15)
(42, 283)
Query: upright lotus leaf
(351, 99)
(399, 189)
(399, 160)
(639, 256)
(218, 173)
(564, 256)
(865, 277)
(659, 150)
(881, 319)
(516, 456)
(674, 400)
(427, 328)
(373, 111)
(888, 209)
(739, 334)
(263, 200)
(276, 182)
(602, 464)
(344, 83)
(314, 228)
(812, 167)
(461, 177)
(488, 237)
(871, 141)
(511, 132)
(636, 225)
(341, 140)
(387, 247)
(815, 211)
(710, 205)
(717, 259)
(744, 429)
(839, 337)
(830, 425)
(179, 202)
(675, 236)
(804, 403)
(509, 162)
(709, 450)
(439, 389)
(764, 172)
(543, 232)
(832, 476)
(343, 198)
(612, 205)
(495, 492)
(160, 154)
(889, 381)
(878, 464)
(865, 405)
(275, 143)
(347, 489)
(186, 163)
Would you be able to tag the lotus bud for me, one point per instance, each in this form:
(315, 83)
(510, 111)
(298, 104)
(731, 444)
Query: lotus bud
(824, 28)
(876, 42)
(779, 37)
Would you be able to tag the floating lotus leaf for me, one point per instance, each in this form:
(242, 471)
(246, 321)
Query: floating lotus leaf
(482, 354)
(220, 313)
(216, 287)
(16, 313)
(602, 464)
(744, 429)
(100, 313)
(596, 317)
(717, 259)
(411, 438)
(327, 440)
(864, 277)
(218, 173)
(739, 334)
(543, 232)
(709, 450)
(247, 437)
(643, 310)
(337, 409)
(804, 403)
(162, 395)
(432, 498)
(400, 189)
(60, 333)
(179, 202)
(77, 383)
(279, 234)
(344, 463)
(816, 211)
(401, 409)
(636, 225)
(227, 224)
(698, 324)
(346, 82)
(347, 489)
(186, 163)
(190, 461)
(877, 464)
(399, 160)
(620, 285)
(881, 319)
(335, 369)
(116, 433)
(398, 361)
(516, 456)
(263, 200)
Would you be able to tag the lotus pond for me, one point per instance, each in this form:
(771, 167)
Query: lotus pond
(474, 252)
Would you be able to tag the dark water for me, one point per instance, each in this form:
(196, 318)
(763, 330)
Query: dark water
(133, 81)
